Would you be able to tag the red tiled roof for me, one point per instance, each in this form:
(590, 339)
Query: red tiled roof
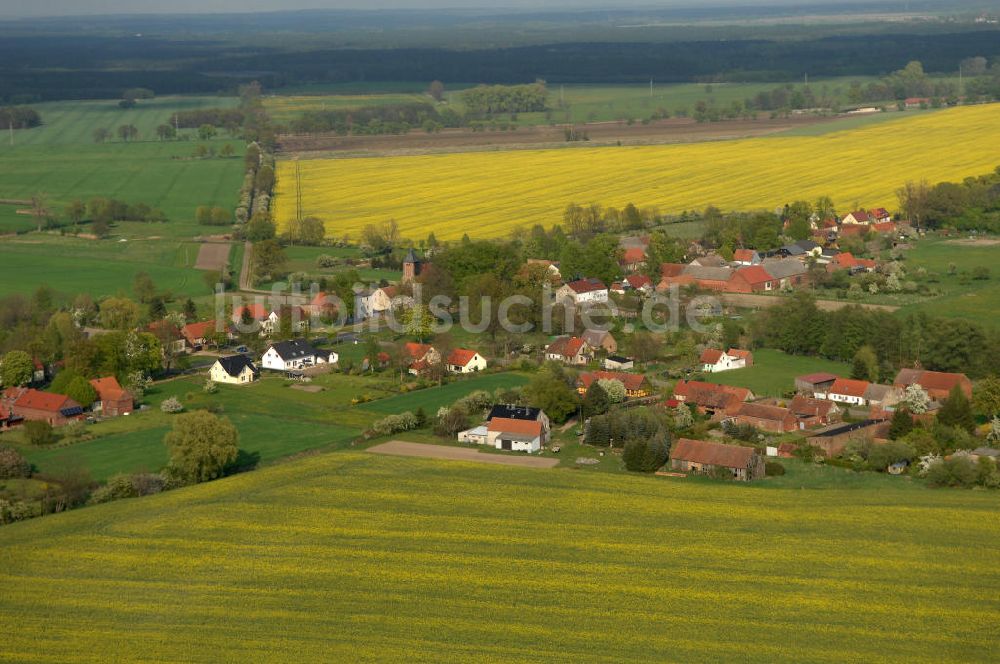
(671, 269)
(586, 285)
(257, 312)
(638, 280)
(754, 274)
(47, 401)
(710, 356)
(710, 395)
(936, 381)
(194, 331)
(819, 377)
(743, 255)
(416, 351)
(763, 411)
(566, 346)
(804, 406)
(854, 229)
(631, 381)
(461, 356)
(739, 353)
(108, 388)
(712, 454)
(849, 387)
(634, 255)
(507, 425)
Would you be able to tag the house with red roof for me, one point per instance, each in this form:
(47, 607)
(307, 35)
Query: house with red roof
(766, 417)
(814, 412)
(198, 335)
(464, 360)
(849, 391)
(815, 383)
(751, 279)
(937, 384)
(582, 292)
(569, 350)
(714, 360)
(256, 316)
(639, 282)
(421, 357)
(8, 418)
(35, 405)
(746, 257)
(516, 435)
(710, 399)
(846, 261)
(633, 258)
(636, 385)
(879, 215)
(856, 217)
(112, 399)
(702, 456)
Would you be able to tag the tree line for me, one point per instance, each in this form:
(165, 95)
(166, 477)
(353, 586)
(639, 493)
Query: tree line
(19, 117)
(494, 99)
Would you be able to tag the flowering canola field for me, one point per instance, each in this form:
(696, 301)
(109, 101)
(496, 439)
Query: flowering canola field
(489, 194)
(351, 557)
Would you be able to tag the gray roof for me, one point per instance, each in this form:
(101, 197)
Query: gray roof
(294, 349)
(806, 245)
(794, 250)
(712, 260)
(411, 257)
(235, 364)
(782, 268)
(713, 273)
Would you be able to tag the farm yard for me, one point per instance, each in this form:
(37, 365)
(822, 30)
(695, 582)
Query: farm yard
(494, 194)
(367, 557)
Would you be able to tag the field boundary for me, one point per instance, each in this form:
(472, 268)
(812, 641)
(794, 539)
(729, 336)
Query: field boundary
(426, 451)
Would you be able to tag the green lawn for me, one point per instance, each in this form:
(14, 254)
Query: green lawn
(773, 372)
(72, 265)
(351, 556)
(432, 398)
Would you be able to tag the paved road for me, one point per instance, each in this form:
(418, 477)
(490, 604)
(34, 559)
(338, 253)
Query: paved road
(403, 448)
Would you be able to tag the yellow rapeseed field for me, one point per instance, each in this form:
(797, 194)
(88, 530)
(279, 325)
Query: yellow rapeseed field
(489, 194)
(354, 557)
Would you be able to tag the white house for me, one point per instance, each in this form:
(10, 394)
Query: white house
(514, 435)
(845, 390)
(514, 412)
(295, 354)
(583, 291)
(569, 350)
(714, 360)
(233, 370)
(463, 360)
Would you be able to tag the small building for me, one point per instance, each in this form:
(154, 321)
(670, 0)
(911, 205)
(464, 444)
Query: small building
(849, 391)
(746, 257)
(640, 283)
(37, 406)
(413, 266)
(463, 361)
(112, 399)
(515, 435)
(234, 370)
(198, 335)
(750, 279)
(476, 435)
(618, 363)
(702, 456)
(766, 417)
(600, 340)
(569, 350)
(421, 357)
(8, 419)
(295, 354)
(814, 412)
(583, 292)
(716, 401)
(834, 438)
(714, 360)
(818, 383)
(636, 385)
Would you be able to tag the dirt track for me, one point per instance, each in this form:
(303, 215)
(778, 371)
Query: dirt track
(764, 301)
(674, 130)
(403, 448)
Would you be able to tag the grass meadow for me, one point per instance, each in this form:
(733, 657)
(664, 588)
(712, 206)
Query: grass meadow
(493, 194)
(773, 372)
(358, 557)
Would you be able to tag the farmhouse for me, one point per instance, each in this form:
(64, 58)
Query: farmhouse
(746, 257)
(112, 399)
(463, 360)
(787, 272)
(569, 350)
(257, 313)
(35, 405)
(751, 279)
(818, 383)
(583, 291)
(600, 340)
(421, 357)
(846, 261)
(636, 385)
(633, 258)
(295, 354)
(700, 456)
(714, 360)
(639, 282)
(528, 413)
(937, 384)
(515, 435)
(711, 399)
(813, 411)
(198, 335)
(234, 370)
(846, 390)
(856, 217)
(766, 417)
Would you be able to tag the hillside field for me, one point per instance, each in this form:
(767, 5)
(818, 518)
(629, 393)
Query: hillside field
(490, 194)
(773, 372)
(351, 556)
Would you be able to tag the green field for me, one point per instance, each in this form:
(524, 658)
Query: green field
(61, 160)
(431, 399)
(773, 372)
(357, 557)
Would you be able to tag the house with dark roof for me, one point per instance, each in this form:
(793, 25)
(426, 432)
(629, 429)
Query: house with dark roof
(569, 350)
(234, 370)
(702, 456)
(112, 399)
(295, 354)
(787, 272)
(35, 405)
(464, 360)
(618, 363)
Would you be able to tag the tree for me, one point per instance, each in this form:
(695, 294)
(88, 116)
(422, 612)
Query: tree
(987, 396)
(119, 313)
(206, 131)
(596, 400)
(260, 228)
(38, 432)
(916, 399)
(81, 391)
(436, 90)
(614, 388)
(128, 132)
(913, 199)
(269, 259)
(17, 369)
(227, 151)
(165, 132)
(40, 211)
(550, 391)
(101, 135)
(956, 411)
(645, 346)
(12, 464)
(201, 445)
(75, 212)
(190, 310)
(418, 322)
(902, 424)
(865, 366)
(143, 287)
(312, 231)
(647, 456)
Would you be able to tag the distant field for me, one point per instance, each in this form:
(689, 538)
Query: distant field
(71, 265)
(773, 372)
(284, 108)
(491, 194)
(360, 557)
(61, 161)
(433, 398)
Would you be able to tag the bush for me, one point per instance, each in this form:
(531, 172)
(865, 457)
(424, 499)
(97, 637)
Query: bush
(171, 405)
(958, 471)
(326, 261)
(395, 423)
(128, 486)
(646, 456)
(37, 432)
(451, 421)
(882, 456)
(773, 469)
(12, 464)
